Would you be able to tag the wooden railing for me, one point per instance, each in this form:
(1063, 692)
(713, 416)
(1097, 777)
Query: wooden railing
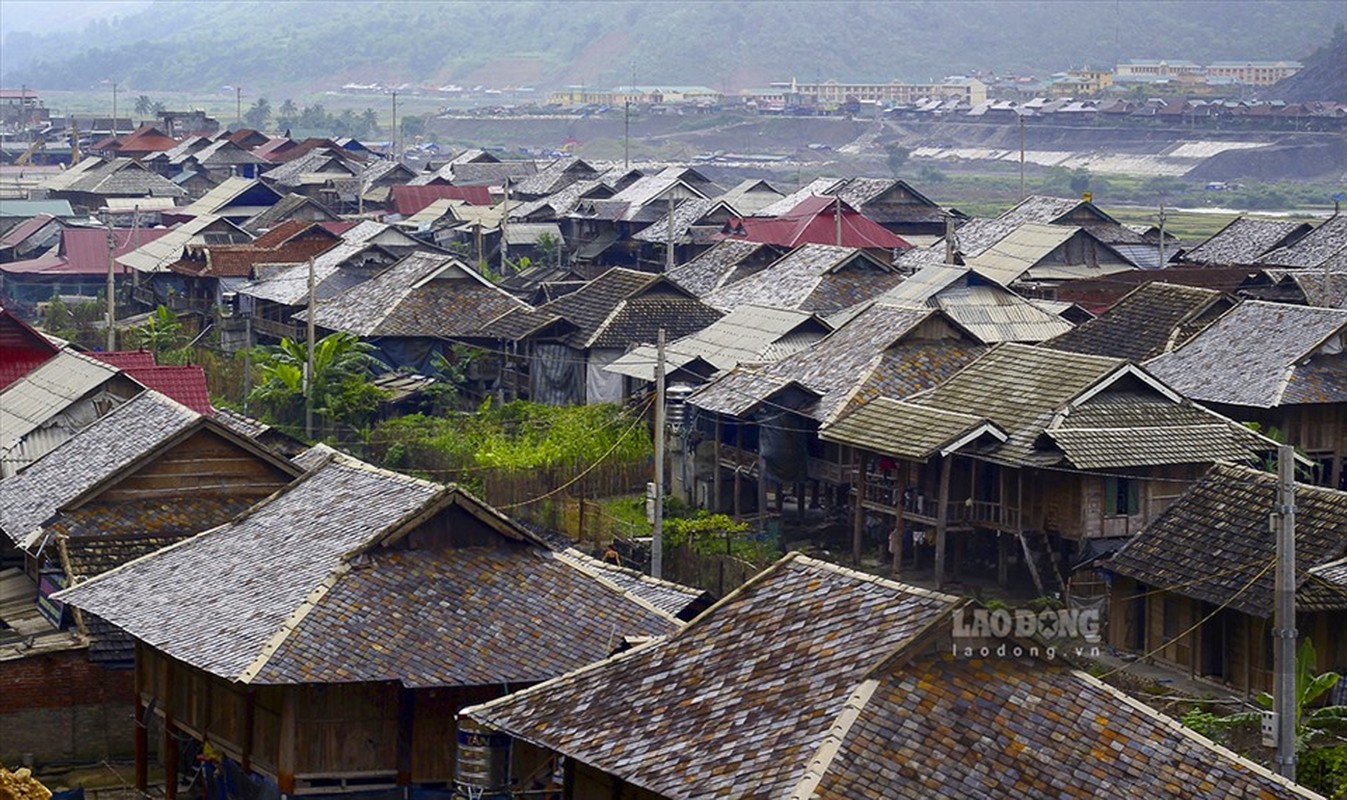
(994, 514)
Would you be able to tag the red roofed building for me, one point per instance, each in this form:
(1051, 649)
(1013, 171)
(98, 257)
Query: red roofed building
(21, 348)
(137, 144)
(407, 200)
(816, 220)
(79, 266)
(186, 384)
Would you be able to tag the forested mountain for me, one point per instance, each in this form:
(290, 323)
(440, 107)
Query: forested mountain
(297, 45)
(1324, 76)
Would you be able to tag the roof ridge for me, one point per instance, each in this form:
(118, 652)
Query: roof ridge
(292, 622)
(833, 738)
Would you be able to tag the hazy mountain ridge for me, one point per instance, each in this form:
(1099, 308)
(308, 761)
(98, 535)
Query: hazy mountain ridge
(273, 46)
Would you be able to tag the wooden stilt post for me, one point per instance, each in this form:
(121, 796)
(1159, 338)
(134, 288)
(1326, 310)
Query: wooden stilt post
(799, 502)
(715, 471)
(941, 521)
(142, 737)
(858, 523)
(898, 513)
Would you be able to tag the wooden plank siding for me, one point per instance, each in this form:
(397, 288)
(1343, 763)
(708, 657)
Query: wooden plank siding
(204, 462)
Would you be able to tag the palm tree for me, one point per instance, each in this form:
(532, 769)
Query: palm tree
(143, 105)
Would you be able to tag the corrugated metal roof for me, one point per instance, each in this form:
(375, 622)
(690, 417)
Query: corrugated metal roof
(1019, 250)
(155, 256)
(745, 335)
(42, 393)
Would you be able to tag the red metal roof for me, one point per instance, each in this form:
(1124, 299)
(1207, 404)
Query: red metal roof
(187, 385)
(338, 226)
(145, 139)
(25, 229)
(84, 251)
(125, 359)
(238, 260)
(291, 229)
(814, 221)
(407, 200)
(21, 348)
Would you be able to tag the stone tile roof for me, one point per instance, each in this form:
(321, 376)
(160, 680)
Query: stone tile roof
(924, 432)
(519, 614)
(935, 725)
(335, 270)
(1325, 246)
(1256, 355)
(422, 295)
(1089, 411)
(554, 177)
(716, 266)
(675, 599)
(105, 534)
(353, 588)
(817, 278)
(283, 210)
(865, 358)
(985, 309)
(1244, 240)
(1150, 320)
(1214, 540)
(614, 310)
(736, 703)
(122, 177)
(100, 451)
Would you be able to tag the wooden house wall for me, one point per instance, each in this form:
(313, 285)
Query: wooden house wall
(344, 728)
(203, 463)
(590, 783)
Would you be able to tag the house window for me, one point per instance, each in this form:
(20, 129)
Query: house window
(1121, 497)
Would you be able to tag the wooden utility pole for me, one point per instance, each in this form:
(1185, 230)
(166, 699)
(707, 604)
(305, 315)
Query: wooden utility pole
(111, 290)
(669, 238)
(114, 109)
(1021, 118)
(308, 364)
(238, 104)
(1162, 238)
(397, 136)
(1284, 632)
(657, 538)
(837, 221)
(505, 230)
(626, 135)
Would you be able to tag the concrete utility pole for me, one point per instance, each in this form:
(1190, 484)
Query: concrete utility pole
(951, 246)
(657, 538)
(397, 137)
(111, 290)
(626, 135)
(1162, 236)
(238, 104)
(837, 220)
(114, 109)
(308, 364)
(1284, 630)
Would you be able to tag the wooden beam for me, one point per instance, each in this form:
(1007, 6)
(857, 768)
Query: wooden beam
(406, 716)
(142, 736)
(941, 520)
(249, 722)
(858, 523)
(715, 472)
(905, 475)
(285, 760)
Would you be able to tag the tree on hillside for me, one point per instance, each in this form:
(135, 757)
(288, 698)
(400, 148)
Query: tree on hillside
(257, 115)
(897, 157)
(287, 116)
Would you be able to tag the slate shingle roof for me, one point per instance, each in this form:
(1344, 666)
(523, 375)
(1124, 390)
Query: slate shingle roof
(519, 615)
(1214, 540)
(97, 453)
(1152, 319)
(925, 431)
(1244, 240)
(987, 310)
(940, 726)
(616, 309)
(714, 267)
(423, 295)
(303, 589)
(865, 358)
(1256, 355)
(105, 535)
(736, 703)
(1323, 247)
(1089, 411)
(818, 278)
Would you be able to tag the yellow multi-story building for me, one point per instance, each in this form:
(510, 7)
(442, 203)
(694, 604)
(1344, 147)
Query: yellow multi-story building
(832, 92)
(1256, 73)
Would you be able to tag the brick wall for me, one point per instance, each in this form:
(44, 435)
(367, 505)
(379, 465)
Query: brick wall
(61, 707)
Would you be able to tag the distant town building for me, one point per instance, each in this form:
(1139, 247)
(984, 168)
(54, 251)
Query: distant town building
(1256, 73)
(1252, 73)
(833, 92)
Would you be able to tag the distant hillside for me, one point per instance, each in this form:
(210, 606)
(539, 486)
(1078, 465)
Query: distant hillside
(293, 46)
(1324, 76)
